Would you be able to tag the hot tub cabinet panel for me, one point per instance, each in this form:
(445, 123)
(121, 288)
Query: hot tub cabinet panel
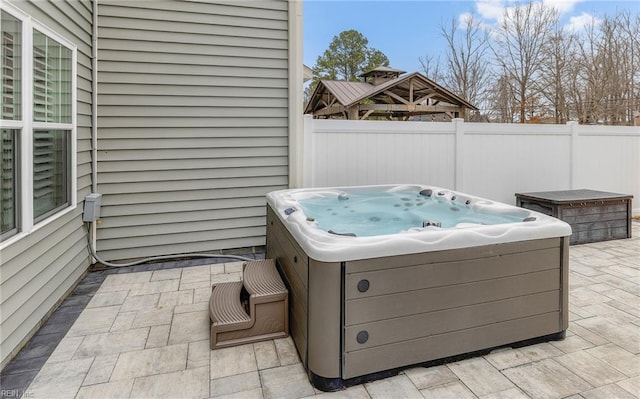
(369, 316)
(293, 266)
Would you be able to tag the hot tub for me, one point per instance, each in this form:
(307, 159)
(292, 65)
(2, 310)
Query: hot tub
(385, 277)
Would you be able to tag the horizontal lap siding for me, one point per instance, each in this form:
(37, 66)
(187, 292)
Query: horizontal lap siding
(40, 268)
(192, 124)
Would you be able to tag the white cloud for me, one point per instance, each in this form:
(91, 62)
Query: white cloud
(464, 18)
(490, 9)
(579, 22)
(563, 6)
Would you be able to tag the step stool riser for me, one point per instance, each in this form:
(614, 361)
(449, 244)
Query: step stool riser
(268, 307)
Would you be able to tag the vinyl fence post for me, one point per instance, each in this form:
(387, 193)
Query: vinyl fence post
(308, 155)
(458, 177)
(573, 129)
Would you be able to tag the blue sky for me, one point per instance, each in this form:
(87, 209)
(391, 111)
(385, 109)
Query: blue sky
(407, 30)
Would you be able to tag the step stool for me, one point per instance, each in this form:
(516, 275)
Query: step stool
(251, 310)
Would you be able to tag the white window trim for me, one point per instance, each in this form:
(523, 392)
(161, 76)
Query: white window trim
(24, 221)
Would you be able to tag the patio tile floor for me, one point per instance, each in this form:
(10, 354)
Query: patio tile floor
(142, 332)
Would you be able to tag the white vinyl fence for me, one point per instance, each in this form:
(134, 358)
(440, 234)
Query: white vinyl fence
(489, 160)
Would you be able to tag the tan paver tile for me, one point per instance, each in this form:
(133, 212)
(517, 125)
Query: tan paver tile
(587, 334)
(189, 327)
(452, 390)
(94, 321)
(110, 390)
(198, 355)
(399, 386)
(285, 382)
(513, 393)
(624, 335)
(591, 369)
(233, 267)
(139, 302)
(506, 358)
(251, 394)
(59, 380)
(628, 271)
(581, 312)
(625, 307)
(618, 358)
(101, 369)
(354, 392)
(234, 384)
(124, 321)
(578, 281)
(206, 284)
(618, 282)
(152, 361)
(167, 274)
(153, 317)
(286, 351)
(65, 349)
(572, 344)
(124, 280)
(624, 296)
(231, 361)
(546, 379)
(107, 299)
(583, 296)
(611, 313)
(185, 384)
(596, 261)
(192, 307)
(202, 294)
(158, 336)
(608, 392)
(196, 273)
(577, 267)
(631, 385)
(175, 298)
(540, 351)
(154, 287)
(113, 342)
(601, 288)
(266, 354)
(216, 268)
(480, 376)
(425, 377)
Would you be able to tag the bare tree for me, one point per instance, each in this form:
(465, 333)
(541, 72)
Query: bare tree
(502, 100)
(559, 55)
(467, 71)
(432, 68)
(518, 44)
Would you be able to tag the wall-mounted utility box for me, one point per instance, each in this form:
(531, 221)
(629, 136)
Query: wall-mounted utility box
(92, 204)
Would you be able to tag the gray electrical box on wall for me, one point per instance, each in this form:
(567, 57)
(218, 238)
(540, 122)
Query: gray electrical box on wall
(92, 204)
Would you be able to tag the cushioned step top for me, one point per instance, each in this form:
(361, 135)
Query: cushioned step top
(261, 279)
(225, 306)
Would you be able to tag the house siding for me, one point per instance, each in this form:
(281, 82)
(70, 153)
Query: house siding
(192, 126)
(40, 268)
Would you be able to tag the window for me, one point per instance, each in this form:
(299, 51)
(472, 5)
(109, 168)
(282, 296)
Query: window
(38, 124)
(8, 200)
(10, 109)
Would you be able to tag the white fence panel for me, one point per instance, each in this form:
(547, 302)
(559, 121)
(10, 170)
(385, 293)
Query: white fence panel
(608, 159)
(500, 161)
(490, 160)
(375, 152)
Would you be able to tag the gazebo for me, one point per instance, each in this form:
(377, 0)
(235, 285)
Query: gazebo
(385, 93)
